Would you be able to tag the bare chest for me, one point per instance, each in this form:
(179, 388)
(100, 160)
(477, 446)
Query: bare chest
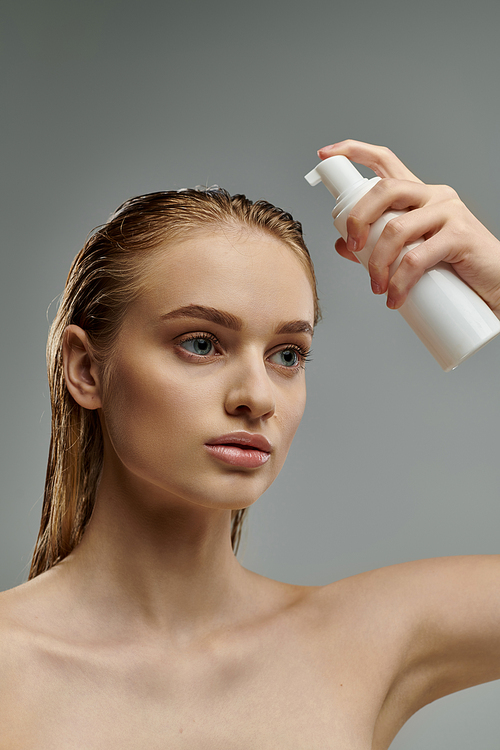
(266, 693)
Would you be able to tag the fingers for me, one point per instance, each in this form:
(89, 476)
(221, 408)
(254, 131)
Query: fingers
(379, 158)
(390, 193)
(403, 230)
(412, 267)
(427, 222)
(341, 248)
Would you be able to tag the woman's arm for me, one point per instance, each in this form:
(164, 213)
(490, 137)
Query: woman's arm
(452, 233)
(435, 628)
(442, 615)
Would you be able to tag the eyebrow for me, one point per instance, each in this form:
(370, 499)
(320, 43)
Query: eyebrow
(227, 320)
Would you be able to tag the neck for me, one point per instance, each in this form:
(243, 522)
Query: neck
(161, 563)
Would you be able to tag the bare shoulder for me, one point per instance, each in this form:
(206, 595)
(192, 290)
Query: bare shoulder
(15, 618)
(21, 606)
(424, 612)
(27, 614)
(20, 611)
(16, 652)
(432, 627)
(30, 617)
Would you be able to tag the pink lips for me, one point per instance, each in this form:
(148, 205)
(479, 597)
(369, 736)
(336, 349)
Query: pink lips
(244, 449)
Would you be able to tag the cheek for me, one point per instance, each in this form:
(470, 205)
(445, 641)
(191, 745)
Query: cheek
(290, 416)
(148, 419)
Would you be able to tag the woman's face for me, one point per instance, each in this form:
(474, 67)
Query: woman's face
(211, 353)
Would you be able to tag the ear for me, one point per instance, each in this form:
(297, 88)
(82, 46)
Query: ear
(80, 369)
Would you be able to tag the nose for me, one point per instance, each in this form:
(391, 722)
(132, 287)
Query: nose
(250, 390)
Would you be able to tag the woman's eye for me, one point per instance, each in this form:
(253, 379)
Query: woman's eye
(286, 358)
(199, 345)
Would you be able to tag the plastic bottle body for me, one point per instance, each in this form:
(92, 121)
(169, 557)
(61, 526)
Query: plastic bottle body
(446, 314)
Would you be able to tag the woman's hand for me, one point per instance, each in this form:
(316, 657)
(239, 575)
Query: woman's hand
(452, 234)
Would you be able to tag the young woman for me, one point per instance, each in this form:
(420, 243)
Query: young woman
(176, 364)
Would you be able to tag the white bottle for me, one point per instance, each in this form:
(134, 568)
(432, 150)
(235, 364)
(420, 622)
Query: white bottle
(446, 314)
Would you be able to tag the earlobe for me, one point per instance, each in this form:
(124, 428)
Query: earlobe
(80, 369)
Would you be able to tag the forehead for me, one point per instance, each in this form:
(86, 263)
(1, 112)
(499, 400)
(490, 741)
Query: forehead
(248, 273)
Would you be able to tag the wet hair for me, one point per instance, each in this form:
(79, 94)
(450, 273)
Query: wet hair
(105, 278)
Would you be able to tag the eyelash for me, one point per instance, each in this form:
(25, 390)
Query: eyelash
(304, 354)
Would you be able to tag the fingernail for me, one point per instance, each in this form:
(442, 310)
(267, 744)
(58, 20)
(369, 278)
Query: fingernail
(376, 289)
(325, 151)
(391, 303)
(352, 244)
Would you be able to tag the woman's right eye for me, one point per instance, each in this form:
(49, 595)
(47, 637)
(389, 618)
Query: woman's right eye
(199, 345)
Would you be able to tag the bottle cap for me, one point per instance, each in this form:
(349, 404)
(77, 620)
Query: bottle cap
(337, 173)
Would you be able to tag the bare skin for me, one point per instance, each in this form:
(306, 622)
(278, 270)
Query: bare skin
(150, 633)
(291, 667)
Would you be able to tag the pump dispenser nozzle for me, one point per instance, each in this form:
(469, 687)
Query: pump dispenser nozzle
(337, 173)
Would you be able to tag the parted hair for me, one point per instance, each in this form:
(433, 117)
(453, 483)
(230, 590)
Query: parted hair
(105, 277)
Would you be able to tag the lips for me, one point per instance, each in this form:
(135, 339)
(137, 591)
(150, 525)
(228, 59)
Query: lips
(246, 439)
(242, 449)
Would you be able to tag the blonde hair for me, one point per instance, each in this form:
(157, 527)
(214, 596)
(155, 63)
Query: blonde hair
(104, 279)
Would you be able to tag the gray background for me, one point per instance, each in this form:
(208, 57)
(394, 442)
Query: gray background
(102, 100)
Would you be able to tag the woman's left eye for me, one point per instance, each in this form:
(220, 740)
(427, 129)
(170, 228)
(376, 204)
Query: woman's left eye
(199, 345)
(287, 358)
